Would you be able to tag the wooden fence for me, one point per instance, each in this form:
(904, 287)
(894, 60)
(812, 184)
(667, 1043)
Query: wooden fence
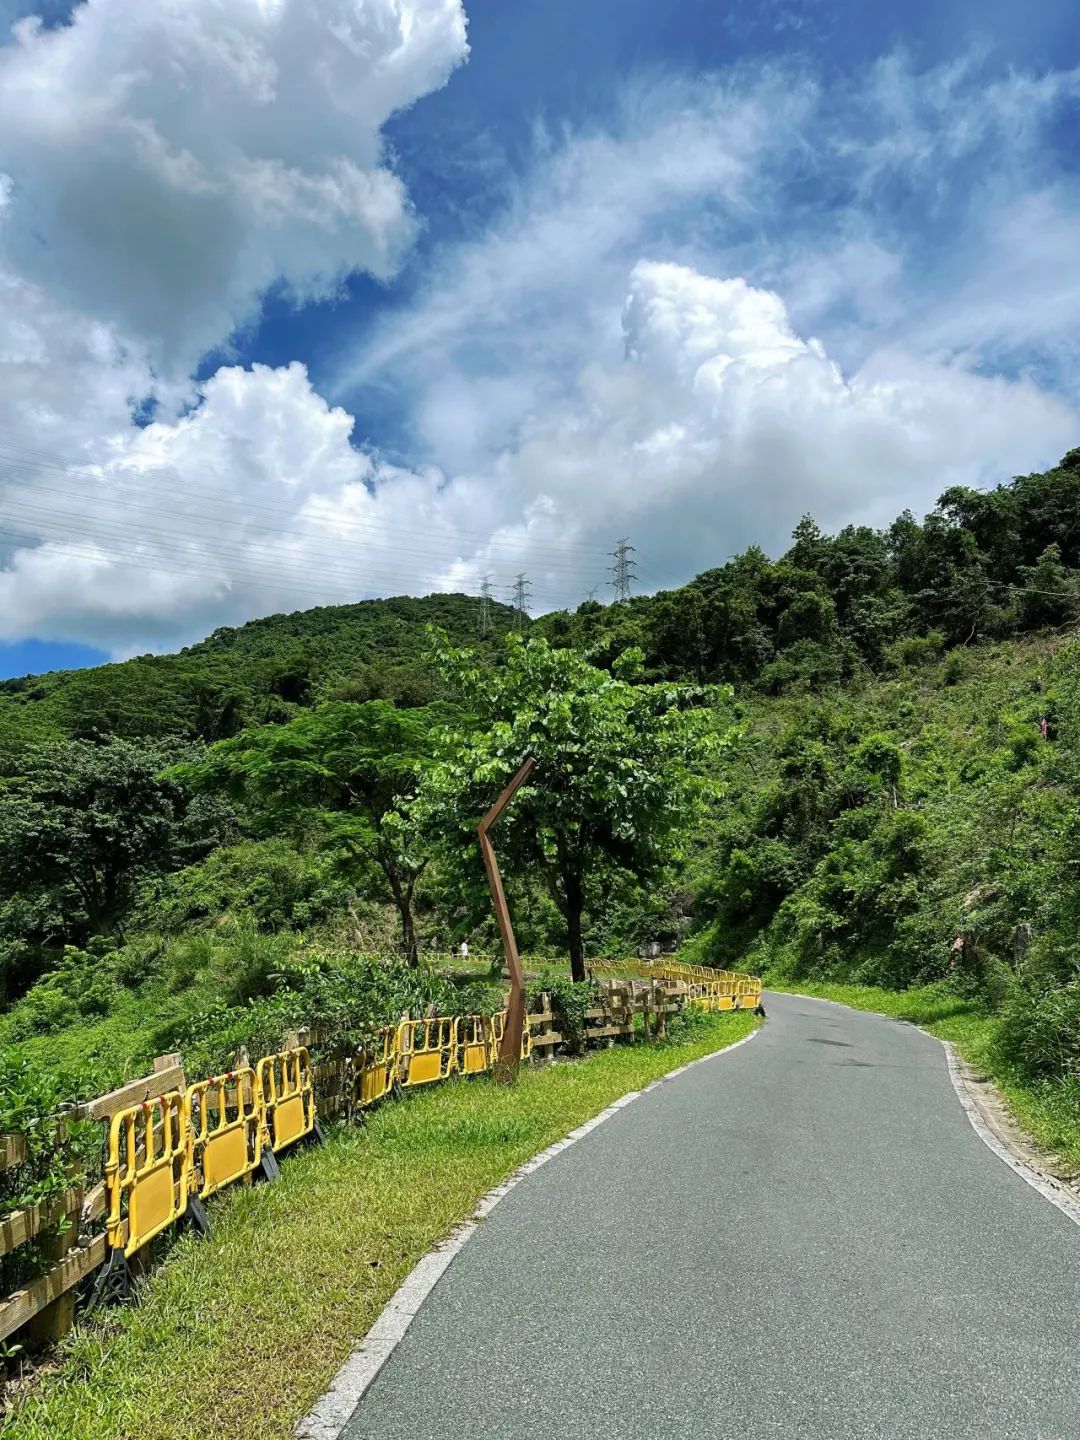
(69, 1228)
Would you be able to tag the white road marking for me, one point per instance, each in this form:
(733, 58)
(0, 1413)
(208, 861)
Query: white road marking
(334, 1411)
(1046, 1187)
(1042, 1183)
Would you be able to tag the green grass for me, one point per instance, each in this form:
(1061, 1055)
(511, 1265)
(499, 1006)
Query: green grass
(235, 1337)
(1047, 1111)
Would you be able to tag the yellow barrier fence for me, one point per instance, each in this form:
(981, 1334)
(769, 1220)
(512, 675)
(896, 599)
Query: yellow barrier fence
(375, 1068)
(474, 1045)
(167, 1153)
(287, 1090)
(496, 1026)
(427, 1050)
(710, 989)
(225, 1117)
(147, 1170)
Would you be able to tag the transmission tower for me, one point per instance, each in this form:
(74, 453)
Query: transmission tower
(622, 572)
(522, 591)
(485, 606)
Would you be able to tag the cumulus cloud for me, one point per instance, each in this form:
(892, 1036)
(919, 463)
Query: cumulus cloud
(169, 162)
(723, 425)
(254, 499)
(161, 167)
(664, 332)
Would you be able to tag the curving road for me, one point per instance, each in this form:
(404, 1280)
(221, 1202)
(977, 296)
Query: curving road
(804, 1238)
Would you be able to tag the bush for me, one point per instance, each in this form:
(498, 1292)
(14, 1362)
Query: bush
(349, 999)
(56, 1158)
(569, 1001)
(270, 881)
(1040, 1031)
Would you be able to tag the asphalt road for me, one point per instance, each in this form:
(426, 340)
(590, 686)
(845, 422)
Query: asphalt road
(804, 1238)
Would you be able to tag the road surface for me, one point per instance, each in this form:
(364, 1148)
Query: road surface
(804, 1238)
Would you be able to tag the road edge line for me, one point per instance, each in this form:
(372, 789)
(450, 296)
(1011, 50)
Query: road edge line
(1047, 1187)
(1043, 1184)
(327, 1418)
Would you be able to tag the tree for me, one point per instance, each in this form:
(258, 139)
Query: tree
(80, 827)
(348, 770)
(618, 779)
(1049, 593)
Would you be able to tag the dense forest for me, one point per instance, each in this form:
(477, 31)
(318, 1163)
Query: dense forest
(859, 760)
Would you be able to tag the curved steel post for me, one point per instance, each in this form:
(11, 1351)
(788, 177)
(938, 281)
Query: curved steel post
(509, 1056)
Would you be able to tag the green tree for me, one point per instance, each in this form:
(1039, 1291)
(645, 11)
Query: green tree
(80, 827)
(1049, 594)
(343, 770)
(619, 769)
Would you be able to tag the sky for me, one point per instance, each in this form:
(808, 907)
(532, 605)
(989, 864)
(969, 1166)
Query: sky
(306, 301)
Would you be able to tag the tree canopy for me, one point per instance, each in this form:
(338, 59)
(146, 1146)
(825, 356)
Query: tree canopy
(620, 769)
(344, 769)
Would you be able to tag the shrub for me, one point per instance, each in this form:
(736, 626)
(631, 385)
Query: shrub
(569, 1001)
(57, 1154)
(1040, 1031)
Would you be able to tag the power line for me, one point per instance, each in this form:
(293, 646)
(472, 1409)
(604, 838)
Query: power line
(24, 461)
(622, 572)
(235, 516)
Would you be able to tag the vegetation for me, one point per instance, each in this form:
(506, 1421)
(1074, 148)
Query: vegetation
(240, 1345)
(349, 770)
(620, 771)
(201, 850)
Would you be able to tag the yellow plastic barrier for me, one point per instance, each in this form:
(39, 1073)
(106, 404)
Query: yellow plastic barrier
(474, 1053)
(747, 992)
(427, 1049)
(496, 1026)
(374, 1068)
(711, 989)
(147, 1170)
(225, 1118)
(287, 1095)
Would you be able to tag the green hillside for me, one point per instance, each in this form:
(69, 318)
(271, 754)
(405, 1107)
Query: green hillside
(200, 848)
(265, 671)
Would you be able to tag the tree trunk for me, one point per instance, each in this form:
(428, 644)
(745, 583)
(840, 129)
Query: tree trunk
(408, 933)
(572, 889)
(403, 900)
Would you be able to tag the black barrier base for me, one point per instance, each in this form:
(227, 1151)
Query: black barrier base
(269, 1169)
(318, 1134)
(760, 1010)
(111, 1285)
(197, 1218)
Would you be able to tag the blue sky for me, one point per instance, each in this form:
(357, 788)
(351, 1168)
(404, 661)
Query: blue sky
(403, 317)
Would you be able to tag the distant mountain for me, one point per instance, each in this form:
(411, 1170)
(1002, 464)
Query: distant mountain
(262, 671)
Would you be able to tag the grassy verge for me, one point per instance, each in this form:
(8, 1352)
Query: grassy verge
(1048, 1112)
(235, 1337)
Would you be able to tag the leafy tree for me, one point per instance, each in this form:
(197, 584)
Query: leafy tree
(618, 769)
(1049, 594)
(345, 770)
(81, 827)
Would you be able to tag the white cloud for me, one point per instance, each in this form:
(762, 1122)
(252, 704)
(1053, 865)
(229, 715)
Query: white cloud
(724, 425)
(666, 331)
(502, 319)
(253, 500)
(171, 161)
(161, 166)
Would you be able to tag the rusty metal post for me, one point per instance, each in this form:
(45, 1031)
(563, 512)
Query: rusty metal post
(509, 1056)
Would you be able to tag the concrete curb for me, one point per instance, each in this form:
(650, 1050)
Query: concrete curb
(1048, 1186)
(332, 1413)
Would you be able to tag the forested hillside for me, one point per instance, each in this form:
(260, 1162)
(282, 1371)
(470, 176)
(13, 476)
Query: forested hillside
(195, 848)
(265, 671)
